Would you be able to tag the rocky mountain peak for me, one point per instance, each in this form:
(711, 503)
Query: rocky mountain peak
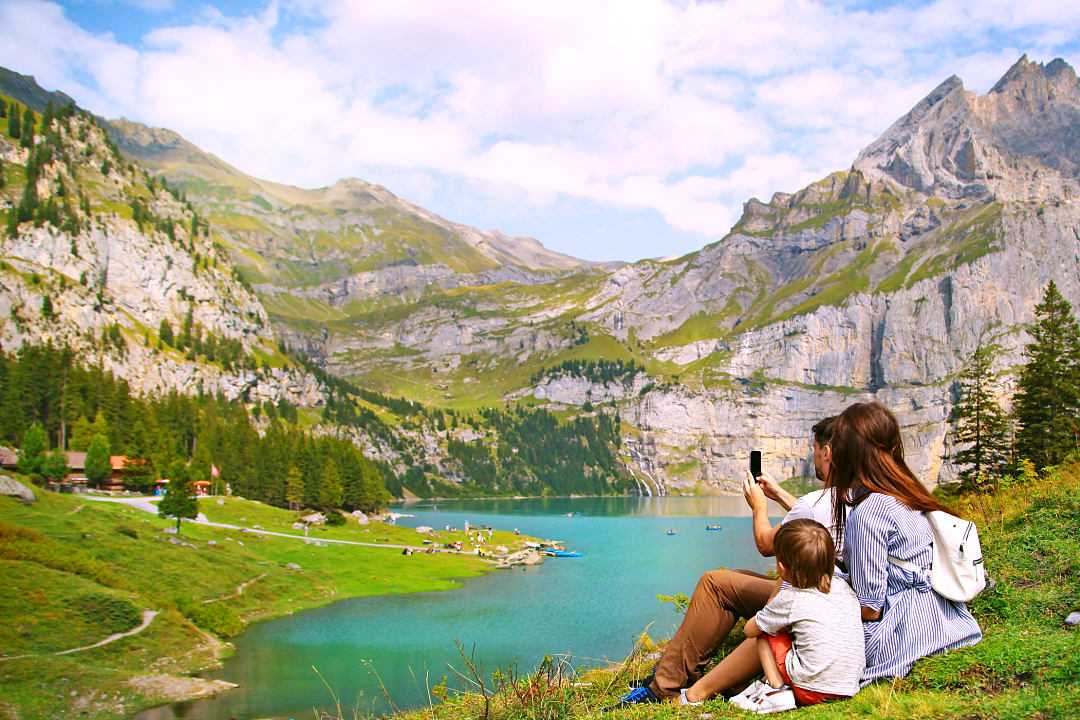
(955, 143)
(1038, 81)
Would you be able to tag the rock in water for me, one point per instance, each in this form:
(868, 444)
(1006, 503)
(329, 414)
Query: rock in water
(13, 488)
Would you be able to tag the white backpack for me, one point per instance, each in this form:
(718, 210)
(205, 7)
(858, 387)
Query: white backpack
(957, 572)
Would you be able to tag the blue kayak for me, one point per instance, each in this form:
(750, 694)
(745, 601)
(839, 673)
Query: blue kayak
(563, 553)
(713, 528)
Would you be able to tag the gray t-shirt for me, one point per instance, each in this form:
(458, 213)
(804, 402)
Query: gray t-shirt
(816, 505)
(827, 651)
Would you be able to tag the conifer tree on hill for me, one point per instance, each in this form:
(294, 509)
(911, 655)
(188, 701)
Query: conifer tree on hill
(27, 137)
(54, 466)
(32, 450)
(98, 465)
(294, 488)
(330, 491)
(14, 123)
(1047, 401)
(179, 502)
(981, 426)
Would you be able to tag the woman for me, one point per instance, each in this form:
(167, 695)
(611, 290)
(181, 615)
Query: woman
(878, 510)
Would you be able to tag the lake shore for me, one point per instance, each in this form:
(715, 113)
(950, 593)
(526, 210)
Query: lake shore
(63, 549)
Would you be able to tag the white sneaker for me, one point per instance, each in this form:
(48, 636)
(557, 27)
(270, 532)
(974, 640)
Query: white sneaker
(683, 700)
(774, 700)
(746, 698)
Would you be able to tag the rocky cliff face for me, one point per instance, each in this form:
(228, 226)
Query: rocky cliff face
(971, 203)
(97, 279)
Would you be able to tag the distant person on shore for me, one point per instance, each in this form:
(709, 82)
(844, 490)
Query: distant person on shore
(808, 640)
(879, 509)
(723, 596)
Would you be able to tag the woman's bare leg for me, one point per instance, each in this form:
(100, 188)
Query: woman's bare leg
(768, 662)
(740, 665)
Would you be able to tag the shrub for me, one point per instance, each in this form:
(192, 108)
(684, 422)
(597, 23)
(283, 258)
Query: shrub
(216, 617)
(113, 614)
(333, 517)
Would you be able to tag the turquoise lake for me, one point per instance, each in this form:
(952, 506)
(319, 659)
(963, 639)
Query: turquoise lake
(590, 608)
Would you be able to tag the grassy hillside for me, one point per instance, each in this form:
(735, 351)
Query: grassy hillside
(74, 571)
(1025, 667)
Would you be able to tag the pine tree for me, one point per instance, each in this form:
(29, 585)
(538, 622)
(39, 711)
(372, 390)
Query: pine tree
(3, 108)
(165, 332)
(294, 488)
(330, 490)
(98, 466)
(81, 434)
(179, 502)
(980, 423)
(54, 466)
(14, 124)
(3, 175)
(27, 139)
(32, 450)
(1047, 402)
(46, 307)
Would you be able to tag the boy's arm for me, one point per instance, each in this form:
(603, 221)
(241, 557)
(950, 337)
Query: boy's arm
(773, 618)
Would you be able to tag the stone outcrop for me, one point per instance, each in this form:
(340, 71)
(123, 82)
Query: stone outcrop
(10, 487)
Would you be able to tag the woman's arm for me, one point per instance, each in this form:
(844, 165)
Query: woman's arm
(751, 629)
(866, 552)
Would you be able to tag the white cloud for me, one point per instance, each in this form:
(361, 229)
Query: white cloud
(687, 109)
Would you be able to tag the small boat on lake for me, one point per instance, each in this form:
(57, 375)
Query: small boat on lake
(714, 528)
(562, 553)
(672, 532)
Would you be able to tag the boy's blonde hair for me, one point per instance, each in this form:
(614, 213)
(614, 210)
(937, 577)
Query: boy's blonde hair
(806, 550)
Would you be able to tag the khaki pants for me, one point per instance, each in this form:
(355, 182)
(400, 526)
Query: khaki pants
(719, 600)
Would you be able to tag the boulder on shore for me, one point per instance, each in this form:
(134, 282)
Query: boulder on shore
(13, 488)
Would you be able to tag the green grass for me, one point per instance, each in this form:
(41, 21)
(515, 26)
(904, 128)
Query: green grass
(1025, 667)
(59, 553)
(238, 511)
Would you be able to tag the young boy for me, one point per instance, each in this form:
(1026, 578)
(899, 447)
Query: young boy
(808, 639)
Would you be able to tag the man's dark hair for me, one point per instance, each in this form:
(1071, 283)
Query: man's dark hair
(823, 430)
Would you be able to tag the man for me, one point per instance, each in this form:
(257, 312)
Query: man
(723, 596)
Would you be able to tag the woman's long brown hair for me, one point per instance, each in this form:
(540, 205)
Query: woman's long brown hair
(868, 452)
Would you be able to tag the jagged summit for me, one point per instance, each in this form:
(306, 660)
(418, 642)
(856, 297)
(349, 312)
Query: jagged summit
(955, 143)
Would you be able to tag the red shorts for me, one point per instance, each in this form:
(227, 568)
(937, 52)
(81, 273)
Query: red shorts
(781, 646)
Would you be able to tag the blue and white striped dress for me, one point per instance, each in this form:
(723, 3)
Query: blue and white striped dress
(915, 620)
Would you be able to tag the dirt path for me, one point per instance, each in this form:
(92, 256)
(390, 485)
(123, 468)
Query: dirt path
(237, 592)
(147, 618)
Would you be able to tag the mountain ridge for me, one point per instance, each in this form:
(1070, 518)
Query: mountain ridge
(874, 282)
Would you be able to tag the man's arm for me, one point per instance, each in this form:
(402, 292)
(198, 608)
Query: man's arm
(763, 530)
(772, 490)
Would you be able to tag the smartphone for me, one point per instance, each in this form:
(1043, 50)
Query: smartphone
(755, 463)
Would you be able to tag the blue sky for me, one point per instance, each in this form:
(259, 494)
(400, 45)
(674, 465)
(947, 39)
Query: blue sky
(607, 130)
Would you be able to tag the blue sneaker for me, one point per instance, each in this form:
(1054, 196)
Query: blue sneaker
(638, 696)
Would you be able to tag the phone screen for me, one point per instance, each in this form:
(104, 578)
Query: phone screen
(755, 463)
